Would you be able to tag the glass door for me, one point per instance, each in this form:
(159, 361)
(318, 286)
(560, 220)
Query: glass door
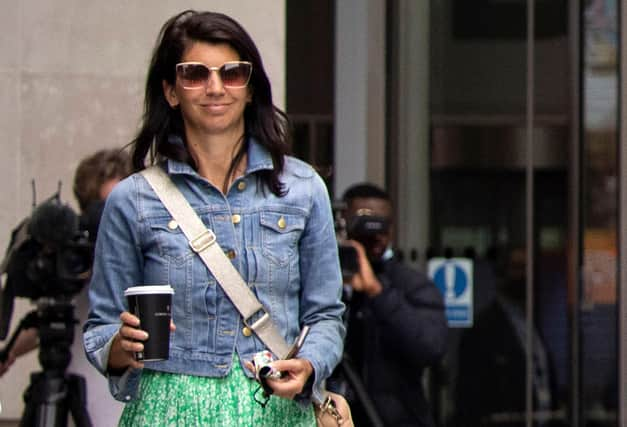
(500, 151)
(597, 300)
(523, 183)
(517, 174)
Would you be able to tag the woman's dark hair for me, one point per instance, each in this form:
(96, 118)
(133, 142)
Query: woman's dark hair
(263, 121)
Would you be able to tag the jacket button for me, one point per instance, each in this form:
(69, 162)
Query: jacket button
(281, 223)
(172, 225)
(247, 331)
(236, 219)
(241, 186)
(230, 254)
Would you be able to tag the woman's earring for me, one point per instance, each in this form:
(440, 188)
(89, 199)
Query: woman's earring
(174, 102)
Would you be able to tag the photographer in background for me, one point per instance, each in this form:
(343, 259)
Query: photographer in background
(95, 177)
(396, 320)
(97, 174)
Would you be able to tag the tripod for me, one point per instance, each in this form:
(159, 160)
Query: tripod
(52, 394)
(346, 378)
(354, 382)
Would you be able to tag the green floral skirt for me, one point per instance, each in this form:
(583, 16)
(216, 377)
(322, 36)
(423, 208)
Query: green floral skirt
(185, 400)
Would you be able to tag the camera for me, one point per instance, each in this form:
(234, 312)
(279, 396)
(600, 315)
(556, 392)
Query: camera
(49, 256)
(347, 254)
(362, 227)
(49, 260)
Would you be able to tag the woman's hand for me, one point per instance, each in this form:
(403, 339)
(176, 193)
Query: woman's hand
(296, 372)
(127, 342)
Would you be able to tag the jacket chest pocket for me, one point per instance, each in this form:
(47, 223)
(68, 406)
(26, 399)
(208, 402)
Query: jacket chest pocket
(279, 235)
(171, 241)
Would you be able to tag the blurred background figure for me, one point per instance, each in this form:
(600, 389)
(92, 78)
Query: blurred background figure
(95, 177)
(492, 360)
(396, 325)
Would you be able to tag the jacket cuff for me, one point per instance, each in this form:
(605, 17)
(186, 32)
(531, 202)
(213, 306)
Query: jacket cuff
(98, 343)
(125, 387)
(304, 398)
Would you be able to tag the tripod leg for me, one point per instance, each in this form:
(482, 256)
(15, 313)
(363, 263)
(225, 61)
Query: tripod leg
(45, 402)
(28, 416)
(360, 390)
(77, 395)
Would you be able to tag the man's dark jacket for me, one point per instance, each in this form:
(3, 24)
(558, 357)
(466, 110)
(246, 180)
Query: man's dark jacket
(391, 338)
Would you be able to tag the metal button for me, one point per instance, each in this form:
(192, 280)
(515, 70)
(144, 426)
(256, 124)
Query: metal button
(230, 254)
(172, 225)
(236, 219)
(281, 223)
(241, 186)
(247, 331)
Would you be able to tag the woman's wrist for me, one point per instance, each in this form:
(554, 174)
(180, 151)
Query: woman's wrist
(118, 357)
(308, 367)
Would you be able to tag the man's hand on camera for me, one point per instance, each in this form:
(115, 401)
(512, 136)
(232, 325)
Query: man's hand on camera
(26, 341)
(364, 280)
(5, 365)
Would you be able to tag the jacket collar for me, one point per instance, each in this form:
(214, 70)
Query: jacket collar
(259, 158)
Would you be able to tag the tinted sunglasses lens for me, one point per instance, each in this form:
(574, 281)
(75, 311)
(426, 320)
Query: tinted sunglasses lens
(235, 74)
(192, 75)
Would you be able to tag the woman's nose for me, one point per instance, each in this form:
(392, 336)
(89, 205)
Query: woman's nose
(214, 83)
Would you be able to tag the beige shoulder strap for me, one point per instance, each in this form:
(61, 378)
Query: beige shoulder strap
(204, 243)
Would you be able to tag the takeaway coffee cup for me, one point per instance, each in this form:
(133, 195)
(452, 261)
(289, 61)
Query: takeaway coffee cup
(152, 305)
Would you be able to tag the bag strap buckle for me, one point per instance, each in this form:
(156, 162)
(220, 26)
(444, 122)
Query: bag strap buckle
(261, 317)
(203, 241)
(329, 407)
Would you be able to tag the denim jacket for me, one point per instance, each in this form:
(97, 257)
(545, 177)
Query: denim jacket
(284, 248)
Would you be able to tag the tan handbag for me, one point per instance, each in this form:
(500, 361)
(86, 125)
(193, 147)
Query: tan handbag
(333, 411)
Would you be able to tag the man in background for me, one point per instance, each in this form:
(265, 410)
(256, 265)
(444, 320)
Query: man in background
(396, 324)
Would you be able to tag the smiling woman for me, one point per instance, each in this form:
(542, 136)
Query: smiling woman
(221, 141)
(212, 108)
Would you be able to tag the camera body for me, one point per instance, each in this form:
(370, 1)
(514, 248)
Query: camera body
(49, 256)
(362, 227)
(55, 258)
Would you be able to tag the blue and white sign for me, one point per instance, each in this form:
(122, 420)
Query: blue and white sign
(454, 278)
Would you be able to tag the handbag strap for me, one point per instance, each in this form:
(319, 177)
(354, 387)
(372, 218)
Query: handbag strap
(203, 241)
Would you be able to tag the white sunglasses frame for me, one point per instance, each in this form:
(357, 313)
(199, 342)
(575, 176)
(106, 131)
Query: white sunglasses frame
(217, 70)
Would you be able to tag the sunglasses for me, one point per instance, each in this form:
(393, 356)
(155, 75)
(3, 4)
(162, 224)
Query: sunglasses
(195, 75)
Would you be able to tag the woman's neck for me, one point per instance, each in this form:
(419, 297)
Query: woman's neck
(214, 156)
